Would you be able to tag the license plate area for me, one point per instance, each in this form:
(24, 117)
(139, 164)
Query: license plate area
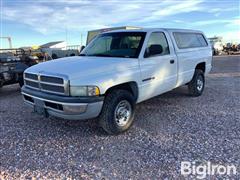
(39, 107)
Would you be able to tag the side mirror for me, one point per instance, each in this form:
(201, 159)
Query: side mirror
(154, 49)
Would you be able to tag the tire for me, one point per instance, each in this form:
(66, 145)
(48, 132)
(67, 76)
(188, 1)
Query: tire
(21, 81)
(214, 53)
(117, 104)
(54, 56)
(1, 83)
(197, 84)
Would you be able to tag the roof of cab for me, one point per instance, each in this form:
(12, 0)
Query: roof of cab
(154, 29)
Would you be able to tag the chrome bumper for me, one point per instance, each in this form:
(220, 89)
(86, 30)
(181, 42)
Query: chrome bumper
(66, 110)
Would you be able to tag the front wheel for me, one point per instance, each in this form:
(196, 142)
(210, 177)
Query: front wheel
(118, 112)
(197, 84)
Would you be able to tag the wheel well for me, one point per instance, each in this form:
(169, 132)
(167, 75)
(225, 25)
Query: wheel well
(129, 86)
(201, 66)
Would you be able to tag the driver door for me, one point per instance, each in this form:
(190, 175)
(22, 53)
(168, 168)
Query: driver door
(158, 66)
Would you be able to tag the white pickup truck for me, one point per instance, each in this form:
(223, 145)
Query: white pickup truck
(117, 70)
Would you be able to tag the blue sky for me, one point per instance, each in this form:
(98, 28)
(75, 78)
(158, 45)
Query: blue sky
(36, 22)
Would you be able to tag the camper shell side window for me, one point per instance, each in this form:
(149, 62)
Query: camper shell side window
(186, 40)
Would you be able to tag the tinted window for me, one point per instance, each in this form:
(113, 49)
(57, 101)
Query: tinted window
(189, 40)
(158, 38)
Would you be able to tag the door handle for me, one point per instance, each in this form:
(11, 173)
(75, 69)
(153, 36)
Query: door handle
(172, 61)
(148, 79)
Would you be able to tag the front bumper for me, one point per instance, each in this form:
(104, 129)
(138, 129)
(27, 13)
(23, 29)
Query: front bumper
(71, 108)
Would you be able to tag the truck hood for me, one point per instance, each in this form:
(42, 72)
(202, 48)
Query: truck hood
(81, 66)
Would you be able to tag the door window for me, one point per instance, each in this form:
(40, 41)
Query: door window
(157, 45)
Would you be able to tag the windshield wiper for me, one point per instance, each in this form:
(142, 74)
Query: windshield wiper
(108, 55)
(104, 55)
(101, 55)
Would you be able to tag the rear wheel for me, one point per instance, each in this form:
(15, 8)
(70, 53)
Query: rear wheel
(118, 112)
(196, 86)
(54, 56)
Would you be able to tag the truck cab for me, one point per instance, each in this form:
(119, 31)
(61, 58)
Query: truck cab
(117, 70)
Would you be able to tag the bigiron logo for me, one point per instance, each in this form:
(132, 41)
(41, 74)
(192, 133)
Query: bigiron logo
(203, 170)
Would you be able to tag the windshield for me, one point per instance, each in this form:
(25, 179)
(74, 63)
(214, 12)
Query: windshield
(117, 44)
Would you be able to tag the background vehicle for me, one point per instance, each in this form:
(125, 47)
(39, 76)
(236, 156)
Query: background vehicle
(13, 62)
(217, 48)
(115, 71)
(56, 53)
(217, 45)
(232, 49)
(59, 49)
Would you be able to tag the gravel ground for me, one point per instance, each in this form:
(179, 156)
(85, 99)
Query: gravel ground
(168, 129)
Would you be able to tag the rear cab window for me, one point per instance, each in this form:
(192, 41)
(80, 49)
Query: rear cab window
(186, 40)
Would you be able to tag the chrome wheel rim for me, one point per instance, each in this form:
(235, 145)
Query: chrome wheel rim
(199, 84)
(122, 113)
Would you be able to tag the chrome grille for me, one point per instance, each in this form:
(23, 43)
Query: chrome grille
(47, 83)
(32, 84)
(52, 79)
(47, 87)
(31, 76)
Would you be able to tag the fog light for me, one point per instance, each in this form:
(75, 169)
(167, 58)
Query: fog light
(76, 109)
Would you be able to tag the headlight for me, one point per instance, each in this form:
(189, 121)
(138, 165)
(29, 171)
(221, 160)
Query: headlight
(84, 91)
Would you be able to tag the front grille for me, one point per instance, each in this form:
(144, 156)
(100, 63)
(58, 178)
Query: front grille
(52, 79)
(31, 76)
(47, 87)
(47, 83)
(32, 83)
